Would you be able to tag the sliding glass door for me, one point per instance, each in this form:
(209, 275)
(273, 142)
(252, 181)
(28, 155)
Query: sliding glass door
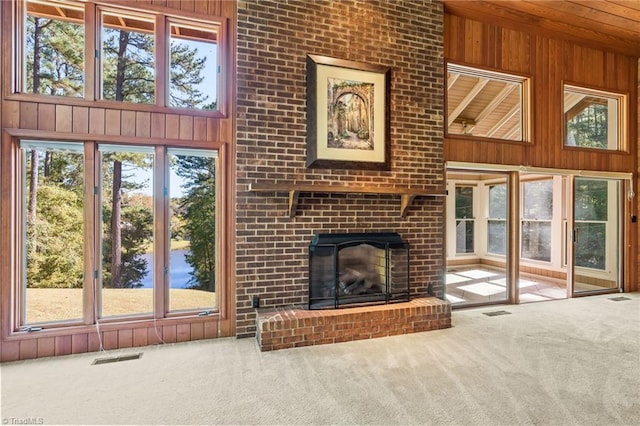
(596, 242)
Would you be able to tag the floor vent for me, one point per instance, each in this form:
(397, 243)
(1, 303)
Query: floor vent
(496, 313)
(619, 298)
(111, 359)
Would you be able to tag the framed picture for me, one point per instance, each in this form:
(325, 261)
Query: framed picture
(347, 114)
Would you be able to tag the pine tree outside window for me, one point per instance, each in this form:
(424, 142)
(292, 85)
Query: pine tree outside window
(594, 119)
(140, 58)
(54, 49)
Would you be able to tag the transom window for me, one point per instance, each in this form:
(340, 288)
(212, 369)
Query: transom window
(487, 104)
(593, 118)
(133, 50)
(54, 49)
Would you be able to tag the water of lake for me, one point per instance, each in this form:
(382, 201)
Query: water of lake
(179, 270)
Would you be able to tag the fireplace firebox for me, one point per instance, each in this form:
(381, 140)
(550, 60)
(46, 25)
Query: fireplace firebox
(356, 269)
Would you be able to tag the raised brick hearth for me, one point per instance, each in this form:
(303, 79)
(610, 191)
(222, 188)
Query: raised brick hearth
(284, 328)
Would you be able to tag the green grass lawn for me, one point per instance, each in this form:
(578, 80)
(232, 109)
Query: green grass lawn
(55, 304)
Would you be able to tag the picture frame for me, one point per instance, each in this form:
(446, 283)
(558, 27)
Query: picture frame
(347, 114)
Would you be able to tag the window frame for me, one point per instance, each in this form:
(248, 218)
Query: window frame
(91, 289)
(621, 117)
(15, 89)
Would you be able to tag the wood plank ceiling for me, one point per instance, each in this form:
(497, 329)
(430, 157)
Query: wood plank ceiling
(608, 24)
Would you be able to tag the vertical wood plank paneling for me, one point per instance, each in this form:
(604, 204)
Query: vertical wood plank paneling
(174, 4)
(491, 43)
(63, 118)
(125, 338)
(188, 5)
(200, 7)
(46, 117)
(186, 127)
(96, 121)
(140, 337)
(197, 331)
(46, 347)
(80, 119)
(128, 124)
(172, 126)
(110, 339)
(11, 114)
(157, 125)
(94, 340)
(211, 329)
(183, 332)
(169, 333)
(213, 130)
(112, 122)
(515, 51)
(79, 343)
(143, 124)
(28, 348)
(29, 115)
(62, 345)
(473, 48)
(10, 351)
(154, 335)
(199, 128)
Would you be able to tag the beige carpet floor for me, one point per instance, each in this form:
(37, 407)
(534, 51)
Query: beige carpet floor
(567, 362)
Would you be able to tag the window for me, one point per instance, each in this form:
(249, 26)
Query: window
(193, 65)
(54, 49)
(537, 212)
(464, 220)
(192, 262)
(497, 221)
(127, 229)
(591, 217)
(487, 104)
(156, 240)
(128, 62)
(53, 253)
(133, 52)
(593, 119)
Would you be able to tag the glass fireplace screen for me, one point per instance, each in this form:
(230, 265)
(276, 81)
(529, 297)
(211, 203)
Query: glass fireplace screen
(357, 269)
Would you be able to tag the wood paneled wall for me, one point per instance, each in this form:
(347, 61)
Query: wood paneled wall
(78, 119)
(549, 63)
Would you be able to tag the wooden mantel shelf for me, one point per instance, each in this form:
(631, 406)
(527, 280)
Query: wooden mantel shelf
(407, 195)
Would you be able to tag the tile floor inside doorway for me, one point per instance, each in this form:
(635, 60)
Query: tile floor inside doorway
(482, 285)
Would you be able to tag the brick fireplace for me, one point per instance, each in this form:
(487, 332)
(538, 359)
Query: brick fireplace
(272, 238)
(358, 289)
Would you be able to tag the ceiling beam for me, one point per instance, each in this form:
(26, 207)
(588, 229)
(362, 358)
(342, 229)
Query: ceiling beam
(467, 100)
(453, 77)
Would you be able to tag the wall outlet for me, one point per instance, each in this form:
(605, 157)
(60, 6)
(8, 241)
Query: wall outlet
(255, 302)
